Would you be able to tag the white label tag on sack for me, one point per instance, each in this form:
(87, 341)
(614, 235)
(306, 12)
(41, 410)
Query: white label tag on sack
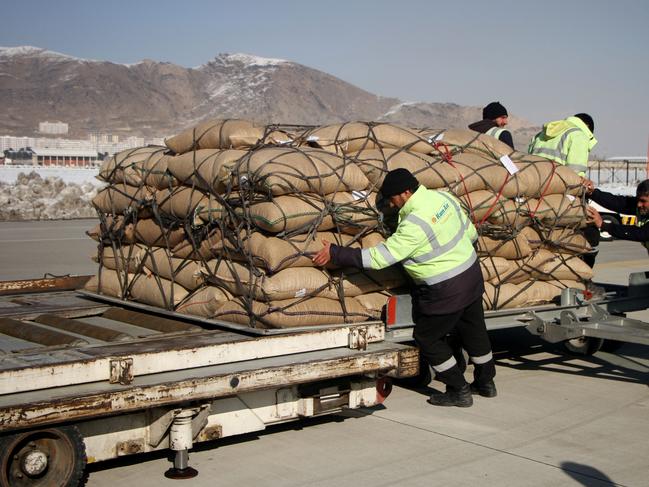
(312, 138)
(509, 165)
(359, 195)
(571, 197)
(301, 293)
(435, 138)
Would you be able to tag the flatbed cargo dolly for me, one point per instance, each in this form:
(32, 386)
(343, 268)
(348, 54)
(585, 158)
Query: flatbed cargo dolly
(581, 323)
(85, 380)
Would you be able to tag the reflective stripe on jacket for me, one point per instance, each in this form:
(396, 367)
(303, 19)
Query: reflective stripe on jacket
(495, 132)
(433, 241)
(566, 142)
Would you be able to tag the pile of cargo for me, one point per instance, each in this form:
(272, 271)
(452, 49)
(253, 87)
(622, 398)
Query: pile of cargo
(223, 221)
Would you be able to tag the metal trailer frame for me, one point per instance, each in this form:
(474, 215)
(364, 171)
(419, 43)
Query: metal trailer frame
(109, 392)
(575, 318)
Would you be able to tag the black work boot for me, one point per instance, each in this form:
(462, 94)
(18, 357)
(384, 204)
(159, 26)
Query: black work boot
(453, 397)
(485, 390)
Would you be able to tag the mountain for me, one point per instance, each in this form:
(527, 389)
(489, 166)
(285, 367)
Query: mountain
(153, 98)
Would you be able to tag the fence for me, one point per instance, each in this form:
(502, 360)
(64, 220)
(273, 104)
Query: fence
(628, 173)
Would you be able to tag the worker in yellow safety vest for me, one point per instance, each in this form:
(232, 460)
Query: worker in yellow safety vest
(569, 142)
(434, 242)
(494, 120)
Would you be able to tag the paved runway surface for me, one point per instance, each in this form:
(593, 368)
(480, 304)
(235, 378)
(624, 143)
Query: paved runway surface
(559, 420)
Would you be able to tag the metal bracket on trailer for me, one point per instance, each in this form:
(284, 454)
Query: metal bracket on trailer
(596, 323)
(358, 338)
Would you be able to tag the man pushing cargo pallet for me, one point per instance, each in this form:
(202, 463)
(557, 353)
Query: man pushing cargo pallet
(434, 243)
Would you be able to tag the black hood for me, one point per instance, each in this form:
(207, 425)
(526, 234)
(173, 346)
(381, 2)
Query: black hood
(483, 125)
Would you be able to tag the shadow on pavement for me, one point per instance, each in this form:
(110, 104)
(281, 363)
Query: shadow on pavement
(586, 475)
(517, 349)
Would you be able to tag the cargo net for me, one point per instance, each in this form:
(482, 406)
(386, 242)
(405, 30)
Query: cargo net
(223, 221)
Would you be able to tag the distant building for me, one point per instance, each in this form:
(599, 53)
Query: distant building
(58, 128)
(65, 157)
(97, 142)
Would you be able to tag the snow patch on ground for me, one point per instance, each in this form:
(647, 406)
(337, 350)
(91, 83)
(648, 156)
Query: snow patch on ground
(9, 174)
(34, 197)
(397, 107)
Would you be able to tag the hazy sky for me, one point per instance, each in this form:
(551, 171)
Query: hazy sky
(543, 59)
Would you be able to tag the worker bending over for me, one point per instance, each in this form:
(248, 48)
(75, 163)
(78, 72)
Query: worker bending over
(434, 243)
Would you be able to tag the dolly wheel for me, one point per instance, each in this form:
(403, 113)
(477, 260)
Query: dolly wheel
(583, 345)
(46, 457)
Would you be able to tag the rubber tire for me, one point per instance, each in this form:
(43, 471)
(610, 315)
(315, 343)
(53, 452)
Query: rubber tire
(583, 345)
(76, 476)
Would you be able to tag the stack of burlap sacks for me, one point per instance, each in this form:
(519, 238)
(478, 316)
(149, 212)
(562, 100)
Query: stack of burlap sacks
(222, 223)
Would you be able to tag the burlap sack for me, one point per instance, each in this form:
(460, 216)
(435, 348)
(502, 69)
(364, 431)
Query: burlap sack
(190, 274)
(352, 137)
(117, 198)
(485, 206)
(109, 282)
(242, 280)
(356, 281)
(453, 140)
(558, 210)
(476, 172)
(511, 248)
(556, 267)
(131, 166)
(287, 170)
(201, 168)
(547, 266)
(217, 134)
(304, 212)
(374, 303)
(429, 171)
(113, 229)
(371, 239)
(504, 296)
(542, 292)
(156, 173)
(495, 268)
(213, 245)
(204, 302)
(275, 254)
(539, 176)
(566, 240)
(190, 204)
(150, 233)
(293, 313)
(127, 258)
(533, 237)
(157, 291)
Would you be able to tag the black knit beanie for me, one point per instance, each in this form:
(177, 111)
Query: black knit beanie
(493, 111)
(588, 120)
(397, 181)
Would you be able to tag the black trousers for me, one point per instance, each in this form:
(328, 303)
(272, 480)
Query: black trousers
(591, 233)
(469, 327)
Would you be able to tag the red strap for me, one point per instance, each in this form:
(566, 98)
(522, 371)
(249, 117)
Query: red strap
(448, 157)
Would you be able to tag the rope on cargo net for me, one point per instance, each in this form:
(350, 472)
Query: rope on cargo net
(244, 188)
